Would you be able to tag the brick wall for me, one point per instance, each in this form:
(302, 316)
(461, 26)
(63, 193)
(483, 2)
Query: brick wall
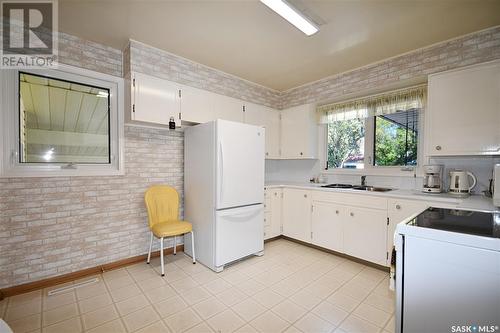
(52, 226)
(82, 53)
(153, 61)
(467, 50)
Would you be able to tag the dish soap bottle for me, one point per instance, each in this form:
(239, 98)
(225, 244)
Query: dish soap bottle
(171, 123)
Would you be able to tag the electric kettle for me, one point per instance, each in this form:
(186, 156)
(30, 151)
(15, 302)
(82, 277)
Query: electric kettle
(460, 182)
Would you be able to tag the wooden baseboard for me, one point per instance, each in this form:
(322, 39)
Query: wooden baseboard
(53, 281)
(343, 255)
(273, 239)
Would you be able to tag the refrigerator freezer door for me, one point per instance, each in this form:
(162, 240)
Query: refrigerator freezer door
(239, 233)
(240, 164)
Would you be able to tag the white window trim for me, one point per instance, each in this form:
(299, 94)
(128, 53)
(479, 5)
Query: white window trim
(370, 169)
(9, 124)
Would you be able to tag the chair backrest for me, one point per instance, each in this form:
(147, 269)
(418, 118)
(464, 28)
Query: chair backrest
(162, 203)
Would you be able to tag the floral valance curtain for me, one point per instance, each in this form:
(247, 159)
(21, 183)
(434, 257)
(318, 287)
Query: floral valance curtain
(376, 105)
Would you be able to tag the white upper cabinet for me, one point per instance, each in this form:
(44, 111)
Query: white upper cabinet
(197, 106)
(228, 108)
(463, 116)
(269, 119)
(154, 100)
(299, 132)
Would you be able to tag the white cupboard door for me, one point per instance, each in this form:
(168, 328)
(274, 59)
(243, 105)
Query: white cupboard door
(365, 234)
(228, 108)
(154, 100)
(464, 112)
(326, 225)
(272, 126)
(297, 214)
(239, 232)
(196, 105)
(299, 132)
(269, 119)
(399, 210)
(240, 164)
(276, 202)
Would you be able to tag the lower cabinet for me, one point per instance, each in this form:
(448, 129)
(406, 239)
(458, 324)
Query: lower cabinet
(365, 234)
(327, 225)
(297, 214)
(357, 225)
(272, 212)
(397, 211)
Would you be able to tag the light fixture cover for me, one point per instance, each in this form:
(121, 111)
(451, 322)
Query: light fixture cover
(292, 15)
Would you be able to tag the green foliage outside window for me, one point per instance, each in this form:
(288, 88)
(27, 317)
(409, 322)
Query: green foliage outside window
(345, 142)
(395, 144)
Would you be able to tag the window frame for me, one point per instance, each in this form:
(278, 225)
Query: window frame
(10, 165)
(369, 167)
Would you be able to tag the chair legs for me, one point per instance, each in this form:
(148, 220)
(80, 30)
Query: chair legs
(150, 246)
(175, 251)
(161, 258)
(192, 244)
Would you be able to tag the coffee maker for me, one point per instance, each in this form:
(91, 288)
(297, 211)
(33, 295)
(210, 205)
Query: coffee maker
(433, 178)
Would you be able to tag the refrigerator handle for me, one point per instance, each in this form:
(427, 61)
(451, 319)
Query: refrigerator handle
(221, 170)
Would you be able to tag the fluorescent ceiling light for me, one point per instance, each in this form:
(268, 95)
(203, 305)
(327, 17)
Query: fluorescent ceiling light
(292, 15)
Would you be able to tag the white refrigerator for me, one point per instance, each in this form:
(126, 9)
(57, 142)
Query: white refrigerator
(224, 191)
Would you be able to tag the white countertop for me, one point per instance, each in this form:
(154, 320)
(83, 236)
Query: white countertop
(473, 202)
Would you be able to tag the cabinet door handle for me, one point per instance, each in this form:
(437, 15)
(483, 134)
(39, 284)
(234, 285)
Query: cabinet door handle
(267, 154)
(398, 207)
(336, 212)
(301, 153)
(438, 147)
(351, 213)
(305, 195)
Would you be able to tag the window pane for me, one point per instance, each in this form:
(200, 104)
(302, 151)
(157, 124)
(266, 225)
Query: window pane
(62, 121)
(346, 143)
(396, 138)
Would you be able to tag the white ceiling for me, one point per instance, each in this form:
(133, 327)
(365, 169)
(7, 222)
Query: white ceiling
(247, 39)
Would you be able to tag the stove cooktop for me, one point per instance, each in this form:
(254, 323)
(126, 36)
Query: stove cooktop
(461, 221)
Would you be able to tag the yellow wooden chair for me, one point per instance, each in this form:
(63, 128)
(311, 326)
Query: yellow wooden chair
(162, 203)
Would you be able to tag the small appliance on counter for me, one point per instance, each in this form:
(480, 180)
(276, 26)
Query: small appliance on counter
(433, 179)
(495, 187)
(460, 184)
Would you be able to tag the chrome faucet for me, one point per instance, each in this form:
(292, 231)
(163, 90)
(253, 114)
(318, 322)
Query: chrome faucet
(363, 180)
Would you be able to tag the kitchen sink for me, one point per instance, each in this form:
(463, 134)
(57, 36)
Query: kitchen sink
(371, 188)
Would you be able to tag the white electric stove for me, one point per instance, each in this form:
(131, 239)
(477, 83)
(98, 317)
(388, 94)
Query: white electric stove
(448, 272)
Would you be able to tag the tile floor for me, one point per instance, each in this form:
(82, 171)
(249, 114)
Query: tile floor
(292, 288)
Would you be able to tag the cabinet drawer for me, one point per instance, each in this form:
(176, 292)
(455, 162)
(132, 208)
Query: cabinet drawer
(357, 200)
